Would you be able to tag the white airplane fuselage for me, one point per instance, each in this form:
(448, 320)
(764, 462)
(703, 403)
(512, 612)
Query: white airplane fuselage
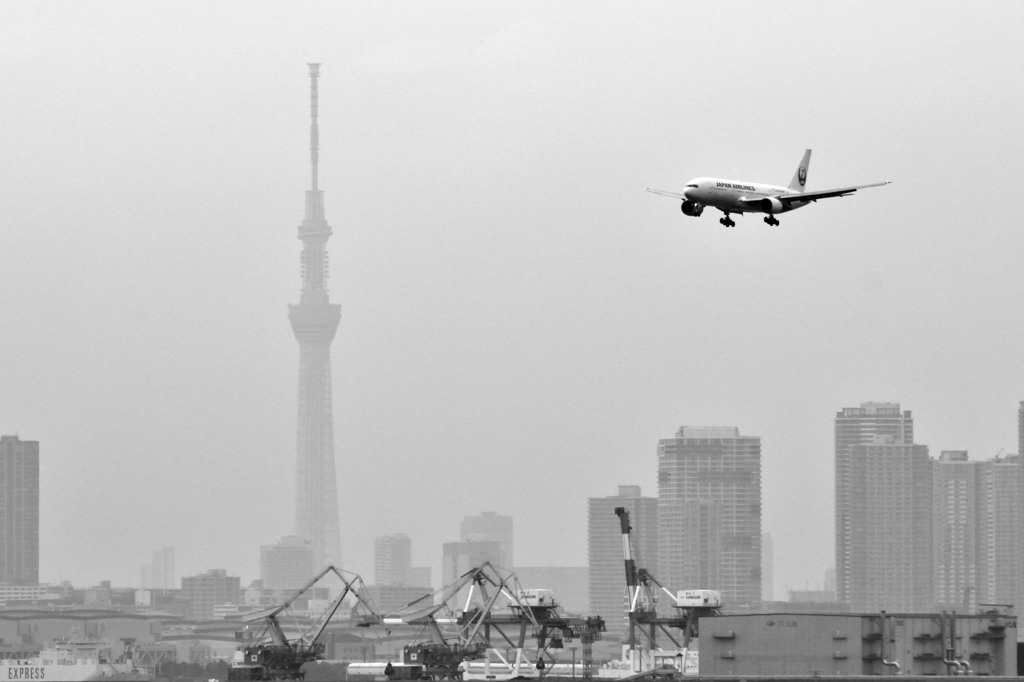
(733, 196)
(740, 196)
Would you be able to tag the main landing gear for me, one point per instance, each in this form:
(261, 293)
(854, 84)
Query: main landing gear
(727, 221)
(771, 220)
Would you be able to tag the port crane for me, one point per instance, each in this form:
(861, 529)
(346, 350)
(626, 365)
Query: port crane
(643, 599)
(271, 655)
(457, 629)
(462, 619)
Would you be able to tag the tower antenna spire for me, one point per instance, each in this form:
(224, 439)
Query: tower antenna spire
(314, 130)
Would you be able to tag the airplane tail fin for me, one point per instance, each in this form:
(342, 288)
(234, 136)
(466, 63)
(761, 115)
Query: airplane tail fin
(799, 181)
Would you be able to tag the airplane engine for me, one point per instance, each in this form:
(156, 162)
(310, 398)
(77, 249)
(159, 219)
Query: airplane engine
(692, 208)
(772, 205)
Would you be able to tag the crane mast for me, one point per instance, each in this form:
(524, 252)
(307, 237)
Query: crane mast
(642, 608)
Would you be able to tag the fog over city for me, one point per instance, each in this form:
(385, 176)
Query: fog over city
(521, 321)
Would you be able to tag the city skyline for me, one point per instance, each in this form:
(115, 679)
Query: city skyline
(878, 465)
(515, 303)
(929, 532)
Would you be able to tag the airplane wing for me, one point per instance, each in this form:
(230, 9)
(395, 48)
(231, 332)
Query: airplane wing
(803, 197)
(674, 195)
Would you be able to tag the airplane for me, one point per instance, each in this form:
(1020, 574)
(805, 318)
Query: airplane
(730, 196)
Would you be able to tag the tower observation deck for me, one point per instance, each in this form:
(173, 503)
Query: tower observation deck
(314, 321)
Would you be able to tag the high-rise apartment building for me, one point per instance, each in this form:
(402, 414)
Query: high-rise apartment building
(457, 558)
(19, 511)
(955, 507)
(392, 559)
(490, 526)
(421, 576)
(288, 565)
(569, 584)
(460, 557)
(605, 560)
(1000, 531)
(767, 568)
(1020, 428)
(159, 574)
(709, 513)
(883, 511)
(314, 322)
(857, 426)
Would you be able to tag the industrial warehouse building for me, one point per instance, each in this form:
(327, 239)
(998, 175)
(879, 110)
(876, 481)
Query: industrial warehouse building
(804, 644)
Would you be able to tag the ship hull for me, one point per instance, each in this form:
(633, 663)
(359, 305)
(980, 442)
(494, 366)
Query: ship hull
(77, 672)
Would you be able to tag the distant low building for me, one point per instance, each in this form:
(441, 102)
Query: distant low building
(33, 629)
(207, 590)
(29, 594)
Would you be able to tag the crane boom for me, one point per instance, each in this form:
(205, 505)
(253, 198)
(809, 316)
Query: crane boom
(272, 656)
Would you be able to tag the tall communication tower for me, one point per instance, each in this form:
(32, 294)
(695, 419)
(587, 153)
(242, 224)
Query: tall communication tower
(314, 321)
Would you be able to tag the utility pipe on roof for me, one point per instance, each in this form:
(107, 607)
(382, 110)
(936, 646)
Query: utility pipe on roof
(885, 637)
(963, 666)
(948, 646)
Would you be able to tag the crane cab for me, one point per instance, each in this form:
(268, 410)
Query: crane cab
(537, 598)
(698, 599)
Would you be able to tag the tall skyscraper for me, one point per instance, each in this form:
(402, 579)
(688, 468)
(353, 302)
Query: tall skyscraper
(709, 513)
(490, 526)
(954, 527)
(857, 426)
(607, 571)
(883, 511)
(314, 321)
(19, 511)
(392, 559)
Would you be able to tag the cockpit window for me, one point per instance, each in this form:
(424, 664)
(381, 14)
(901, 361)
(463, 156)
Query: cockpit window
(693, 185)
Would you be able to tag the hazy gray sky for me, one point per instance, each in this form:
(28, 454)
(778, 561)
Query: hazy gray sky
(521, 321)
